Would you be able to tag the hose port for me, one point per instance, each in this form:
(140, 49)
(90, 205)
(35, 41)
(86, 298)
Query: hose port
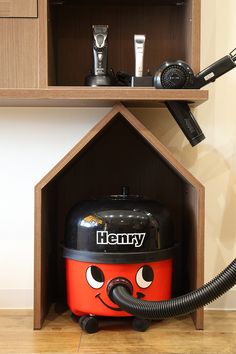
(118, 281)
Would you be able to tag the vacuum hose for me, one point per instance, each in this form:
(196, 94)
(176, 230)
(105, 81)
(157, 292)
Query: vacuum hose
(155, 310)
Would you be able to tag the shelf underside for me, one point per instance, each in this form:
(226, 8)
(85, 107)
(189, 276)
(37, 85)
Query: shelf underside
(97, 96)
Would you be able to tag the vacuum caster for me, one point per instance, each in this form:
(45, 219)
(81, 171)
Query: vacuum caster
(88, 324)
(140, 324)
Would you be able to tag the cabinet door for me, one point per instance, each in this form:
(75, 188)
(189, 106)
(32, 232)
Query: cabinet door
(18, 52)
(18, 8)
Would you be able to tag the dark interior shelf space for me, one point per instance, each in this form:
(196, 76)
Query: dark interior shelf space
(168, 31)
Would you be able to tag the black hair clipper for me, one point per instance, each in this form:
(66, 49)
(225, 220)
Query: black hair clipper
(99, 75)
(100, 53)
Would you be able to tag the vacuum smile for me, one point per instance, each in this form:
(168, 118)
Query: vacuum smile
(139, 296)
(110, 307)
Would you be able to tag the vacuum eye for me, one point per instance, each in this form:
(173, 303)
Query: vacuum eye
(95, 277)
(144, 277)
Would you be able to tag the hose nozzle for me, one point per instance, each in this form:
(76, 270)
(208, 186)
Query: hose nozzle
(116, 282)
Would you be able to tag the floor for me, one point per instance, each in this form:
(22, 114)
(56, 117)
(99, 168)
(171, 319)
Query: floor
(61, 334)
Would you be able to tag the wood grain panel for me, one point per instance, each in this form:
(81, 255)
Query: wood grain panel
(98, 96)
(18, 53)
(38, 305)
(192, 33)
(194, 243)
(62, 335)
(46, 55)
(18, 8)
(45, 252)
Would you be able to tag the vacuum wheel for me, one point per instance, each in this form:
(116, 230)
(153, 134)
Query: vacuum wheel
(140, 324)
(88, 324)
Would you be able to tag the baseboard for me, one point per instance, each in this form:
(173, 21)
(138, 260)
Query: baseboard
(16, 298)
(23, 299)
(225, 302)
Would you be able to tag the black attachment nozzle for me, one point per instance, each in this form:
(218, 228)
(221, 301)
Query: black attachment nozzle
(215, 70)
(186, 121)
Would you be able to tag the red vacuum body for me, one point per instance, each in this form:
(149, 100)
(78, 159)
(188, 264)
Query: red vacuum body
(120, 238)
(86, 295)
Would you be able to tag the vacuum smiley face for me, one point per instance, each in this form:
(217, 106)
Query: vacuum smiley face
(95, 279)
(98, 276)
(89, 293)
(143, 276)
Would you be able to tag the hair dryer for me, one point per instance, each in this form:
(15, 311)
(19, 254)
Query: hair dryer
(178, 75)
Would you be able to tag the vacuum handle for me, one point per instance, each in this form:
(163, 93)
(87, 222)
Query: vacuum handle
(215, 70)
(186, 121)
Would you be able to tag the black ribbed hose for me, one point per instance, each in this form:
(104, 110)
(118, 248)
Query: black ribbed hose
(181, 305)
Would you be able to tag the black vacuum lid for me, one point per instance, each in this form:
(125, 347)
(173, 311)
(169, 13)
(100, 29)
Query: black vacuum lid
(118, 229)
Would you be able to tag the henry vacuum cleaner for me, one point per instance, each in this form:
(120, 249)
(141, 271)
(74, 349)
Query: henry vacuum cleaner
(118, 240)
(119, 257)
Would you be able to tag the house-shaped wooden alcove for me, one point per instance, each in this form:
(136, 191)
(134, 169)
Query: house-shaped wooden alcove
(118, 151)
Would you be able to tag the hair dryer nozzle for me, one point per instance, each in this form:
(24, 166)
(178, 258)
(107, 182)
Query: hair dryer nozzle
(186, 121)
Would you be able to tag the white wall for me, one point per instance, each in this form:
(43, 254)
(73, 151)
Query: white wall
(32, 140)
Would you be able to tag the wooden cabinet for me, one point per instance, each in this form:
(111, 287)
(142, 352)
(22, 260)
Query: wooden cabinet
(51, 54)
(45, 54)
(18, 8)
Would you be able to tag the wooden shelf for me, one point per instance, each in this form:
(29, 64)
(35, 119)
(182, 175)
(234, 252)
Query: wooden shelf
(81, 96)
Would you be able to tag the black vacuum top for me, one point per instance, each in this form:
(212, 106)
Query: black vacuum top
(120, 226)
